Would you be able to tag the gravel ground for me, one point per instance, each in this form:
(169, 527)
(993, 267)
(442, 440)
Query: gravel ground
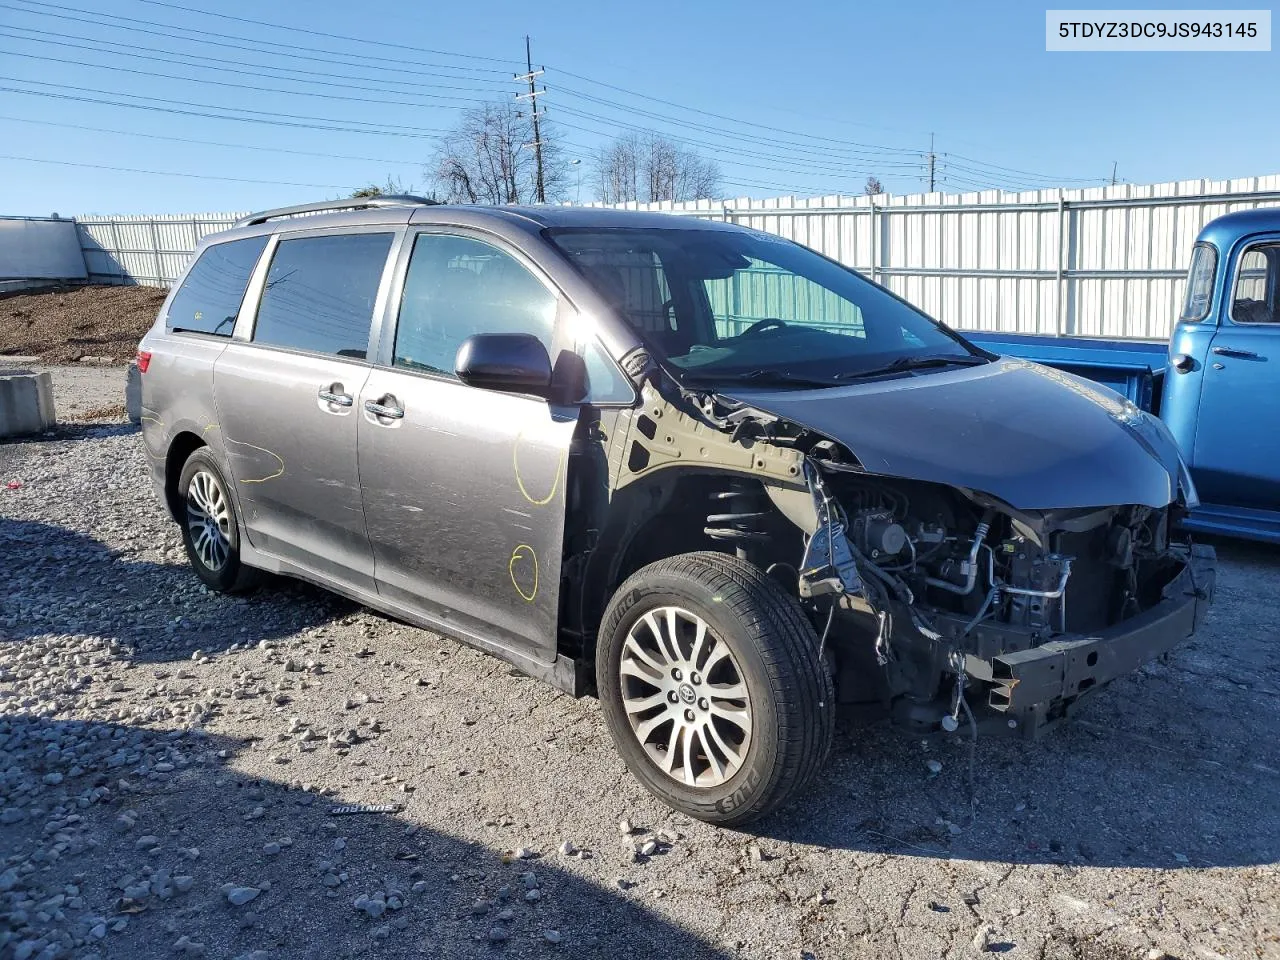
(172, 764)
(65, 325)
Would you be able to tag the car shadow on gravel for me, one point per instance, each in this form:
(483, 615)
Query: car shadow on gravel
(55, 580)
(1175, 766)
(153, 829)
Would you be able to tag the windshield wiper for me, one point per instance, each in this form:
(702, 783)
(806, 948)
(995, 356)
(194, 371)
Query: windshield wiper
(764, 376)
(916, 363)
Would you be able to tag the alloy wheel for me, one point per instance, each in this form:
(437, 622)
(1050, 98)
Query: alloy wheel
(685, 697)
(209, 520)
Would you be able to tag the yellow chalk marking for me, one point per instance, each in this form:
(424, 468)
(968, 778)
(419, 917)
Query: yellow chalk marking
(276, 456)
(555, 483)
(524, 552)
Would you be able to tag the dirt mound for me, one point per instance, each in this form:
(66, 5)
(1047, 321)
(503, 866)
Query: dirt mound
(61, 326)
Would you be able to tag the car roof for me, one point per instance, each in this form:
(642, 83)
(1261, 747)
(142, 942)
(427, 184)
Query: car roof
(527, 219)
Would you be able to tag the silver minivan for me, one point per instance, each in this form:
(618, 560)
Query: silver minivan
(711, 476)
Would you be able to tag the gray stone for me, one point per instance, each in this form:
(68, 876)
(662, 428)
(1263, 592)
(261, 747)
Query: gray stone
(26, 403)
(239, 896)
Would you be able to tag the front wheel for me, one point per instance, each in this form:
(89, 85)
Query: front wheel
(710, 681)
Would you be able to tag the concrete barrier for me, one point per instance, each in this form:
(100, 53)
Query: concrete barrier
(26, 402)
(133, 394)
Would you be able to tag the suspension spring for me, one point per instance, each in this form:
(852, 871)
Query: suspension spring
(742, 524)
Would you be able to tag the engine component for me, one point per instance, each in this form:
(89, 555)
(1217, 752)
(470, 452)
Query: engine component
(1036, 586)
(961, 577)
(878, 534)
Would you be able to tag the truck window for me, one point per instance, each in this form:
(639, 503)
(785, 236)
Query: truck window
(1254, 297)
(209, 298)
(1204, 265)
(320, 291)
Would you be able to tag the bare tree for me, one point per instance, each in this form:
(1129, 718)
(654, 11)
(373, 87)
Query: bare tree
(489, 158)
(653, 168)
(873, 186)
(393, 186)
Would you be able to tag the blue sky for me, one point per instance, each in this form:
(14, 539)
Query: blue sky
(803, 98)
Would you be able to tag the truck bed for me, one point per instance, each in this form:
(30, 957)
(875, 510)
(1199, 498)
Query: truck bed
(1133, 368)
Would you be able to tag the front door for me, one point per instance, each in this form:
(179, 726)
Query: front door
(464, 489)
(1237, 447)
(287, 403)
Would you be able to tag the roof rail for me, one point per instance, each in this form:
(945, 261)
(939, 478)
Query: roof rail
(354, 203)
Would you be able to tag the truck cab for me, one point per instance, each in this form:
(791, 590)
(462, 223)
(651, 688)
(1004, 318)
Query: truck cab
(1221, 392)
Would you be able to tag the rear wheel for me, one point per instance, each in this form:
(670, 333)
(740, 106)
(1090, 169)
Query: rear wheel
(210, 527)
(710, 681)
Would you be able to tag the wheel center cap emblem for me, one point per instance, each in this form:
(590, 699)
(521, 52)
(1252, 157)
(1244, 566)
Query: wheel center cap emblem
(687, 694)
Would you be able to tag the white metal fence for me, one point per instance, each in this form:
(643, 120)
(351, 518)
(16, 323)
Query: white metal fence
(1108, 261)
(148, 250)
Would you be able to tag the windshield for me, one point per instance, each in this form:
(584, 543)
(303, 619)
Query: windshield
(721, 305)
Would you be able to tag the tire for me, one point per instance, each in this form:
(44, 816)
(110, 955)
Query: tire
(772, 656)
(201, 484)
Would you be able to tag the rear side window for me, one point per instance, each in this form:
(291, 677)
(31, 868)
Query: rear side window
(209, 298)
(1204, 264)
(320, 291)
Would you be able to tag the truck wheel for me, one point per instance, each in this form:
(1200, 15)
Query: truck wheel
(710, 681)
(210, 528)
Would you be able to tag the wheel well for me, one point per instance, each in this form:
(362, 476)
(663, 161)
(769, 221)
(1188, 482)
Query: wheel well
(669, 515)
(182, 446)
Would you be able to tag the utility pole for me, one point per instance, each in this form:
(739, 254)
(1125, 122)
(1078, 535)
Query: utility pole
(533, 95)
(933, 158)
(1114, 164)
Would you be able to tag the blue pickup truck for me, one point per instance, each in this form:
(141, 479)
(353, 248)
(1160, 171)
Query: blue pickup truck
(1216, 383)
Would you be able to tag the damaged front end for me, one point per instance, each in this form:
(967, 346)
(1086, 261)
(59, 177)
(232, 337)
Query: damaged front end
(944, 598)
(930, 598)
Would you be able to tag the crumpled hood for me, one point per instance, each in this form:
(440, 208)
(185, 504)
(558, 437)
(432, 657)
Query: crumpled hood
(1035, 437)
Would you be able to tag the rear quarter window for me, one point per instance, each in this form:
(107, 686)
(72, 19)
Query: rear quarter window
(209, 298)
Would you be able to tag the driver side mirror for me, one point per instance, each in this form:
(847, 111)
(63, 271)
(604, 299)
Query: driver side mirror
(507, 362)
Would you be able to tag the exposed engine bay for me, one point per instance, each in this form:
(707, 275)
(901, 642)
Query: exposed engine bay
(928, 598)
(940, 575)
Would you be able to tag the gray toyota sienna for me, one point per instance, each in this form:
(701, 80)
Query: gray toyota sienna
(719, 481)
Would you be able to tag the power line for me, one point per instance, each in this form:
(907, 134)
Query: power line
(737, 121)
(873, 157)
(270, 119)
(805, 145)
(130, 50)
(722, 152)
(1025, 173)
(257, 88)
(171, 173)
(211, 143)
(284, 50)
(331, 36)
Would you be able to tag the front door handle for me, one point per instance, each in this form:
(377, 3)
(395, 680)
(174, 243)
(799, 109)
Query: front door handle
(1233, 352)
(332, 393)
(387, 406)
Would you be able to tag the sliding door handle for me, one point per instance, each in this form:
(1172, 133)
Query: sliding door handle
(387, 407)
(332, 393)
